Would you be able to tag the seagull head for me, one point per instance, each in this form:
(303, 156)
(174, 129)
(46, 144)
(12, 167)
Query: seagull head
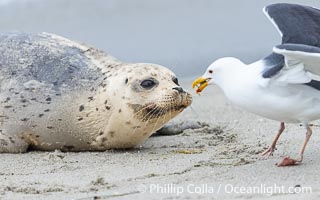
(217, 73)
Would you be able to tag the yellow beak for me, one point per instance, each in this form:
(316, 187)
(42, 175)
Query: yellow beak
(201, 83)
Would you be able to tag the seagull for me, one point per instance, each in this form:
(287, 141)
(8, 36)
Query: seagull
(282, 86)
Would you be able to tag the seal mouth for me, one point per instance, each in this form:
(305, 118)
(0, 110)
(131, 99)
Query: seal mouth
(156, 110)
(180, 107)
(153, 110)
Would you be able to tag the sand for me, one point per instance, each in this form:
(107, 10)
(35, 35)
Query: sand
(219, 159)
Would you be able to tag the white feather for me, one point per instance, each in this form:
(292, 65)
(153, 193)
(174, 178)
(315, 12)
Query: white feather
(311, 61)
(292, 74)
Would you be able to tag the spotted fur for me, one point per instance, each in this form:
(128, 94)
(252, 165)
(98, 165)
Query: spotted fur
(60, 94)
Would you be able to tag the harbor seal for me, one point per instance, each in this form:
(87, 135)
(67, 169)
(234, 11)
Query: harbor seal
(60, 94)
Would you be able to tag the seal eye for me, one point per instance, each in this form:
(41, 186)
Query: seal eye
(175, 80)
(148, 84)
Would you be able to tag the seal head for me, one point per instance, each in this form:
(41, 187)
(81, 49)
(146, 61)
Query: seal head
(144, 97)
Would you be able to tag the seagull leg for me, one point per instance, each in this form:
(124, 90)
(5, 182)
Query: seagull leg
(272, 147)
(287, 161)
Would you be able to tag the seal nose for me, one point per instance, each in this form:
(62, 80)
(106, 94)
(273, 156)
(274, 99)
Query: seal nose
(179, 89)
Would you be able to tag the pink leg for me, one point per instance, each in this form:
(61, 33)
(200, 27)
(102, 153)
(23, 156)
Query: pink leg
(287, 161)
(272, 147)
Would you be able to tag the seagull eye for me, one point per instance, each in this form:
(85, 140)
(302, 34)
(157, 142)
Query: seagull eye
(148, 84)
(175, 80)
(210, 71)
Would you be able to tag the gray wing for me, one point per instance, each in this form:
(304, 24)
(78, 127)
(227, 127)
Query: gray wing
(297, 25)
(273, 64)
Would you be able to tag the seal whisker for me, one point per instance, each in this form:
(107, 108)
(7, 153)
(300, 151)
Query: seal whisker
(152, 114)
(142, 109)
(161, 111)
(171, 111)
(164, 116)
(158, 113)
(143, 119)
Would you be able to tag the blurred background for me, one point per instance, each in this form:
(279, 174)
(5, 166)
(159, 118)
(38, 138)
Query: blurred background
(183, 35)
